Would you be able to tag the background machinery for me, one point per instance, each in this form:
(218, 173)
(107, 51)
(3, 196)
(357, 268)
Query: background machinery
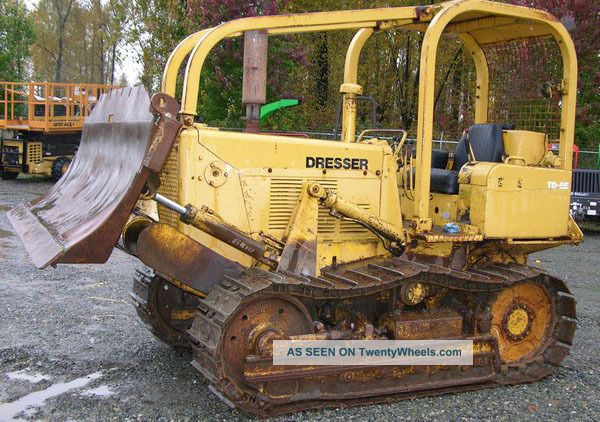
(585, 196)
(251, 237)
(40, 125)
(585, 191)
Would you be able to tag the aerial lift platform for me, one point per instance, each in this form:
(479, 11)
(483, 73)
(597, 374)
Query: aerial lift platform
(40, 125)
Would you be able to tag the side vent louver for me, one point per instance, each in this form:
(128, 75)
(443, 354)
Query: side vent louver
(169, 186)
(284, 196)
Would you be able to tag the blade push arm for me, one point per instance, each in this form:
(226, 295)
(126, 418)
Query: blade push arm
(395, 238)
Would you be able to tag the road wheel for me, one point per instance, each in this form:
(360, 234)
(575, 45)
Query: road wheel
(6, 175)
(59, 167)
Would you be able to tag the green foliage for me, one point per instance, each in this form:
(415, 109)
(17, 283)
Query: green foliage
(388, 71)
(310, 66)
(587, 136)
(155, 29)
(16, 37)
(221, 84)
(221, 87)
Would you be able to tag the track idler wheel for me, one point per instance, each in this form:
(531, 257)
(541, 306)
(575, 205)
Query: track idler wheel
(252, 329)
(522, 319)
(165, 309)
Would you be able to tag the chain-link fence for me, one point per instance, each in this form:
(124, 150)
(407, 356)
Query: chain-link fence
(589, 160)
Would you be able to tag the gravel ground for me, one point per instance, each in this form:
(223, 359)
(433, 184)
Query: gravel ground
(71, 348)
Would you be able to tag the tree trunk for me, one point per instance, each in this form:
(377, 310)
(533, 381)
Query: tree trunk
(112, 63)
(59, 57)
(101, 64)
(60, 27)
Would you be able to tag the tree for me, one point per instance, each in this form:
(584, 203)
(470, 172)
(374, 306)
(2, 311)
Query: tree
(156, 27)
(52, 25)
(582, 17)
(310, 66)
(78, 46)
(16, 37)
(63, 10)
(104, 33)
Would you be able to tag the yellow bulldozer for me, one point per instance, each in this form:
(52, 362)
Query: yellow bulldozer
(248, 238)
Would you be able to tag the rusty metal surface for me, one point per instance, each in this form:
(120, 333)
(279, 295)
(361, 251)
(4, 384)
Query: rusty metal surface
(328, 383)
(209, 222)
(425, 325)
(269, 390)
(177, 256)
(299, 255)
(80, 218)
(271, 316)
(166, 132)
(165, 309)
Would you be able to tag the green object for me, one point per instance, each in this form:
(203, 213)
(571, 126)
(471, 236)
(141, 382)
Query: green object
(277, 105)
(16, 37)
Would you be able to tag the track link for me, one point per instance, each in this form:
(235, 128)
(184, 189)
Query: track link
(164, 308)
(216, 311)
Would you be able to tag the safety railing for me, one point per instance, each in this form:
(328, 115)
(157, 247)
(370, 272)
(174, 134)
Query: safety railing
(46, 106)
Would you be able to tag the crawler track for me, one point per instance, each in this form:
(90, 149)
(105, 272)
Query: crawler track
(264, 390)
(164, 308)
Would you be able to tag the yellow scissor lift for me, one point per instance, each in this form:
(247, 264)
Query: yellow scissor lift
(40, 125)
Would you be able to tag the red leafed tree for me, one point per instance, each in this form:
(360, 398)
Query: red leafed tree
(208, 13)
(582, 18)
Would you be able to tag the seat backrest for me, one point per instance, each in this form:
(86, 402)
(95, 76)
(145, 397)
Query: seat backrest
(486, 141)
(439, 158)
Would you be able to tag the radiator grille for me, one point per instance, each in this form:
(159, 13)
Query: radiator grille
(284, 196)
(586, 181)
(169, 186)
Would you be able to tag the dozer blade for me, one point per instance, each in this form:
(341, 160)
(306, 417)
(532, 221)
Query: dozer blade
(80, 218)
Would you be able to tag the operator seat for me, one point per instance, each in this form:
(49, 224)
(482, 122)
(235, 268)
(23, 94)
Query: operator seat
(485, 140)
(439, 158)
